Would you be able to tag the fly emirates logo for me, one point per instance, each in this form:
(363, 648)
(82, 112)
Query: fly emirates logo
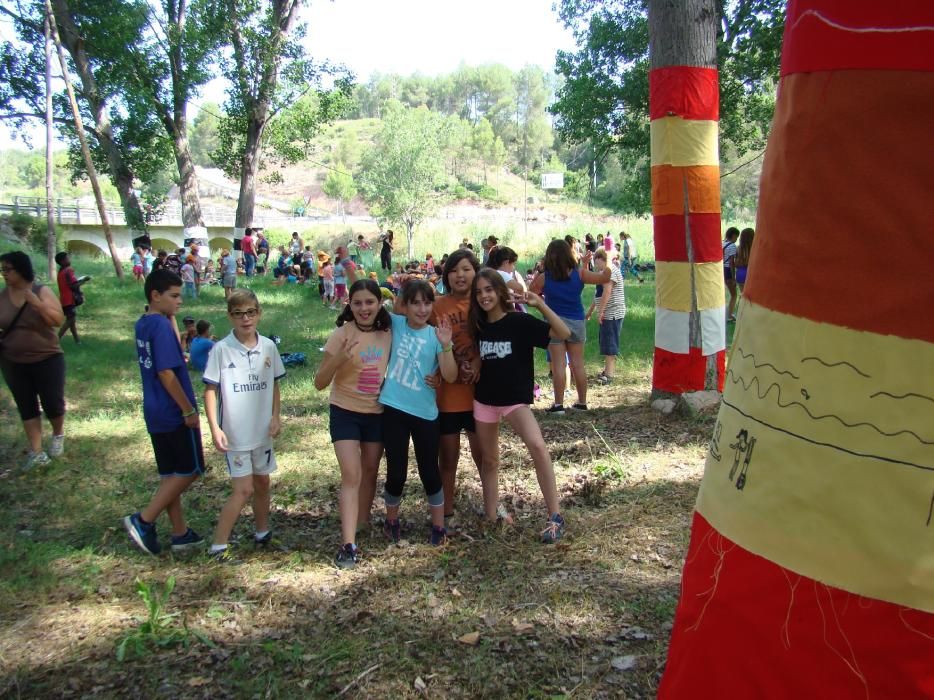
(498, 350)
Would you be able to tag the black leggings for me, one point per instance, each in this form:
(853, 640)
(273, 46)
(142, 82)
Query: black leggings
(31, 382)
(398, 426)
(385, 257)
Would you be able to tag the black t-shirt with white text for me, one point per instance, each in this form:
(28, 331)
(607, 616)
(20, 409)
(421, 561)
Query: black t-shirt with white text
(507, 372)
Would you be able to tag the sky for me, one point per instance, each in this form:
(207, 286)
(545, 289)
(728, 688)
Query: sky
(431, 37)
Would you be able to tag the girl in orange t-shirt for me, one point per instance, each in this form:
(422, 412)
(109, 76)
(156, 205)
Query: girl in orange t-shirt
(455, 400)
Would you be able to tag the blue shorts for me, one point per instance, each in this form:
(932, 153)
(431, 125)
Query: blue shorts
(609, 336)
(578, 331)
(351, 425)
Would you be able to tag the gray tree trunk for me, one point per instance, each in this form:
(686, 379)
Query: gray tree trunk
(85, 151)
(49, 164)
(187, 179)
(684, 33)
(249, 165)
(120, 172)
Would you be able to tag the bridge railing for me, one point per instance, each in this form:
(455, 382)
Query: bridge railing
(72, 211)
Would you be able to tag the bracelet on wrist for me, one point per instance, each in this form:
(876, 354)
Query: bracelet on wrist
(449, 348)
(192, 412)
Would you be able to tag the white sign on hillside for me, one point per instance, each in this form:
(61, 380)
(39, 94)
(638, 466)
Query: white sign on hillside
(552, 181)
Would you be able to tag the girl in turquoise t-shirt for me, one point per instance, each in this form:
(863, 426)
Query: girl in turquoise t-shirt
(409, 406)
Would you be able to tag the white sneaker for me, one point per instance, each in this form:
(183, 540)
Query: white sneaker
(57, 446)
(36, 459)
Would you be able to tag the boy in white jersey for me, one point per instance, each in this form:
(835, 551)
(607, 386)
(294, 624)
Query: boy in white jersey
(245, 369)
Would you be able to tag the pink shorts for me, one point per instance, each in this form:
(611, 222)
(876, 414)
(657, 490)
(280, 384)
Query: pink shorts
(340, 290)
(492, 414)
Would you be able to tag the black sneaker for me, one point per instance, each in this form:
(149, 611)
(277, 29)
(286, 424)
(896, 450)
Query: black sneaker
(556, 409)
(553, 530)
(142, 534)
(347, 556)
(224, 556)
(579, 407)
(263, 541)
(392, 529)
(187, 541)
(439, 536)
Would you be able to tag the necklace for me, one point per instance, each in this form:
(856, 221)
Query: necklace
(364, 329)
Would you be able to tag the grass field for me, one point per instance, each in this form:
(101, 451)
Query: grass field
(494, 614)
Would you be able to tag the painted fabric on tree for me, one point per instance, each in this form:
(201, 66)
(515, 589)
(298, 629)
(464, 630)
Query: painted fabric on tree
(683, 104)
(811, 545)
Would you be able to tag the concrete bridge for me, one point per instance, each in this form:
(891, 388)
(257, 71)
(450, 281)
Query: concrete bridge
(80, 223)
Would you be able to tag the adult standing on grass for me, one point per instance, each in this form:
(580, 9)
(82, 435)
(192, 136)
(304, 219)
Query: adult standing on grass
(355, 359)
(562, 284)
(248, 248)
(729, 272)
(31, 357)
(171, 415)
(630, 255)
(455, 399)
(385, 253)
(69, 295)
(228, 272)
(743, 255)
(262, 250)
(610, 316)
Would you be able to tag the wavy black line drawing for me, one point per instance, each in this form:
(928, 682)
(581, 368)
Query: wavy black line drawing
(755, 380)
(839, 448)
(837, 364)
(910, 395)
(930, 511)
(747, 355)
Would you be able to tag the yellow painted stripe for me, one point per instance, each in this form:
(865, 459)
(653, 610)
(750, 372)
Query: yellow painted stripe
(673, 285)
(840, 479)
(681, 142)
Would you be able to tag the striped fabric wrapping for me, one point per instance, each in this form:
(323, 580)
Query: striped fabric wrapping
(810, 571)
(684, 103)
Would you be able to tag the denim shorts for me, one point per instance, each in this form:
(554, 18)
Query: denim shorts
(578, 331)
(352, 425)
(609, 336)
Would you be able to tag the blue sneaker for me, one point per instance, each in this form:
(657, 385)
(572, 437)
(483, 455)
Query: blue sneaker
(142, 534)
(189, 540)
(553, 530)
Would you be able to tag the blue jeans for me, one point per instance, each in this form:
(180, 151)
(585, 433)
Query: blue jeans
(249, 263)
(188, 290)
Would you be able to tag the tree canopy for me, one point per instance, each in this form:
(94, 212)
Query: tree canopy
(404, 170)
(603, 97)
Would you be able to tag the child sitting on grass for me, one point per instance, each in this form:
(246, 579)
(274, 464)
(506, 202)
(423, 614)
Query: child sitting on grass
(171, 415)
(201, 345)
(243, 372)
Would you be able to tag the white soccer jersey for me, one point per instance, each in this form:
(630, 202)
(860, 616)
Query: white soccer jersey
(245, 379)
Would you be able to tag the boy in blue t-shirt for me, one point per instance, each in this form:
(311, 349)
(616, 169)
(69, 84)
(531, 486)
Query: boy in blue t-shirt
(171, 415)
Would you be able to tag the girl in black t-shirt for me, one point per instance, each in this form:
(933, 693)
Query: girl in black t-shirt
(507, 341)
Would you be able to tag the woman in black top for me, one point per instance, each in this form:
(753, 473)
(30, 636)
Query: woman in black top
(385, 253)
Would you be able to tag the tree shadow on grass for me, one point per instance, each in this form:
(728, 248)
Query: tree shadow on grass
(549, 618)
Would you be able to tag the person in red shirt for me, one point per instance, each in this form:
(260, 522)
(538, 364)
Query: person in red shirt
(68, 284)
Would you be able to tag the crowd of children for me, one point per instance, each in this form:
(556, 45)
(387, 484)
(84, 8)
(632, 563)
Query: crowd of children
(436, 350)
